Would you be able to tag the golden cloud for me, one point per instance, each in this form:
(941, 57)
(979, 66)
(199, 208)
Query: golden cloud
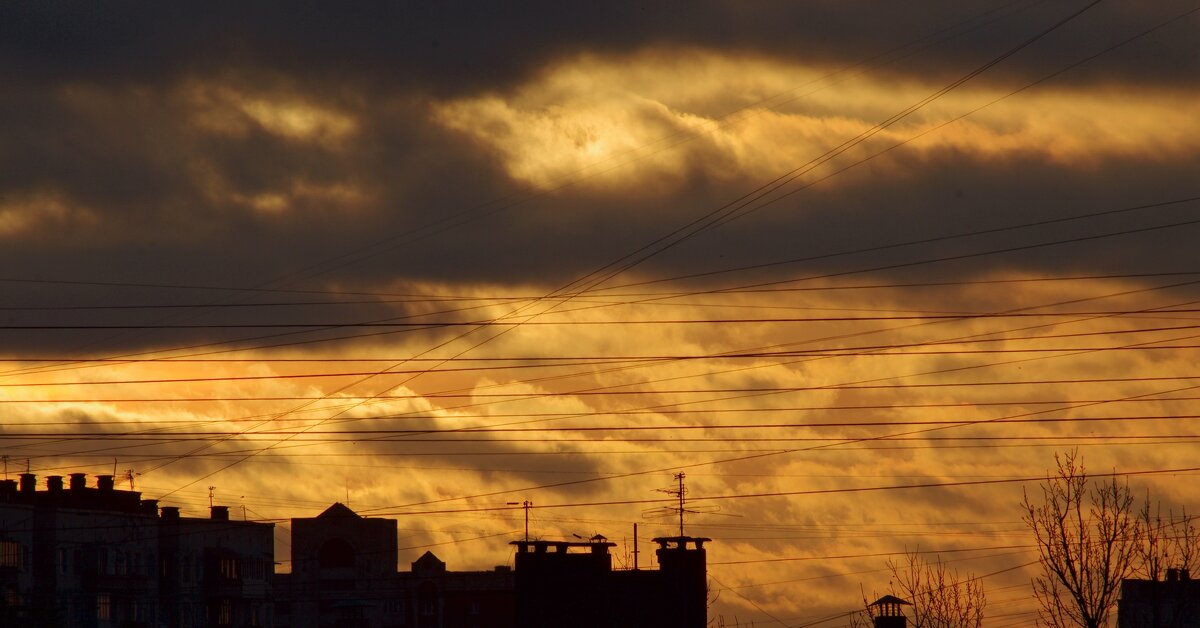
(625, 121)
(847, 401)
(20, 214)
(226, 110)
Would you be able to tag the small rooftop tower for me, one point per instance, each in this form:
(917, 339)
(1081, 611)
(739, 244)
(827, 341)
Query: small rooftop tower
(887, 613)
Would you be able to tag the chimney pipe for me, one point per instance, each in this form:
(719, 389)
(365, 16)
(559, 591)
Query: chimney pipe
(8, 487)
(54, 483)
(28, 482)
(150, 507)
(220, 513)
(170, 513)
(78, 481)
(104, 482)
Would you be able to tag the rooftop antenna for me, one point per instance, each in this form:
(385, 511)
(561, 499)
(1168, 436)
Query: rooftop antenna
(526, 505)
(129, 473)
(635, 547)
(5, 466)
(680, 493)
(210, 495)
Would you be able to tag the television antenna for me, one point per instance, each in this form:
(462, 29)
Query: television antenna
(526, 505)
(129, 475)
(679, 492)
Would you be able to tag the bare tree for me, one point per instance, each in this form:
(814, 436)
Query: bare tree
(1186, 541)
(1087, 537)
(1166, 543)
(860, 618)
(940, 597)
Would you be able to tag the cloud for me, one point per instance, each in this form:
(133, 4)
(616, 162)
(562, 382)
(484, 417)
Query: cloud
(255, 193)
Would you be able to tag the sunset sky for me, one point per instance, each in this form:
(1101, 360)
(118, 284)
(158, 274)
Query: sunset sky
(432, 258)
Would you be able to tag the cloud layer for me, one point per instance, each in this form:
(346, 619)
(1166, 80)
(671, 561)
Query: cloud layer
(435, 259)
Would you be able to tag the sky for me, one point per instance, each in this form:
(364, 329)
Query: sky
(857, 269)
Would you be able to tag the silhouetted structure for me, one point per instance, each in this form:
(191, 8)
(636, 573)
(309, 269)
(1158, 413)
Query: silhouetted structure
(215, 571)
(1170, 603)
(573, 584)
(887, 612)
(97, 557)
(344, 574)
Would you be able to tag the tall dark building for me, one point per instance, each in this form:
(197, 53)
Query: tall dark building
(344, 575)
(574, 584)
(1170, 603)
(98, 557)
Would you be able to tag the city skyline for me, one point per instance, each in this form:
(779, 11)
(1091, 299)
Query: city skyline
(859, 272)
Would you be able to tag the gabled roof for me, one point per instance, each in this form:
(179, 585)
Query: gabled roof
(428, 562)
(338, 509)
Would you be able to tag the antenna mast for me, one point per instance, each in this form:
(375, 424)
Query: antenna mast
(681, 508)
(681, 493)
(526, 505)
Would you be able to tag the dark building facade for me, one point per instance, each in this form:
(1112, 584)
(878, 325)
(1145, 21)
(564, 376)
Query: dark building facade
(79, 556)
(1170, 603)
(76, 556)
(574, 584)
(344, 575)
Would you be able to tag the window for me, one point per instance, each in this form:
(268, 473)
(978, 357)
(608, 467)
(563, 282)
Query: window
(229, 568)
(10, 554)
(103, 606)
(254, 569)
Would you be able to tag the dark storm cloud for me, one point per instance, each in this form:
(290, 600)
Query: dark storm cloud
(456, 46)
(104, 114)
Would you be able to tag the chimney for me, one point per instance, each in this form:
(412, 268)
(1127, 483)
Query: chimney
(150, 507)
(54, 483)
(220, 513)
(8, 487)
(28, 482)
(170, 513)
(104, 483)
(1184, 575)
(1172, 574)
(78, 481)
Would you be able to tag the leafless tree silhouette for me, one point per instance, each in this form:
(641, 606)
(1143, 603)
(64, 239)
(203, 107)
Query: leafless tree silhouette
(940, 597)
(1088, 539)
(1166, 543)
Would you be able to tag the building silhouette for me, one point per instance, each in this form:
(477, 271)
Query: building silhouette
(887, 612)
(344, 574)
(79, 556)
(1170, 603)
(574, 584)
